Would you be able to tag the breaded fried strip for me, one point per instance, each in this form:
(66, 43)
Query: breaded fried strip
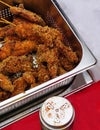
(24, 47)
(45, 34)
(18, 20)
(6, 31)
(50, 57)
(33, 17)
(5, 83)
(5, 50)
(67, 52)
(29, 77)
(19, 86)
(17, 48)
(14, 64)
(43, 74)
(4, 95)
(66, 64)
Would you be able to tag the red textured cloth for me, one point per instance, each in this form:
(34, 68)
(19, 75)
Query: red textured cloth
(87, 108)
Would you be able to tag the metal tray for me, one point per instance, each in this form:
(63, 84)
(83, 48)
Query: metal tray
(54, 16)
(85, 81)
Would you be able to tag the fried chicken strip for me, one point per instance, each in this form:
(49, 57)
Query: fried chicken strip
(65, 64)
(67, 52)
(5, 50)
(4, 95)
(24, 47)
(14, 64)
(29, 77)
(43, 74)
(19, 86)
(30, 16)
(17, 48)
(18, 20)
(6, 31)
(50, 58)
(5, 83)
(45, 35)
(49, 36)
(3, 31)
(61, 70)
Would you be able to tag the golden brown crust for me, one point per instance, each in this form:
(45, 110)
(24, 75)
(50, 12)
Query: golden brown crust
(19, 86)
(15, 64)
(5, 83)
(26, 14)
(29, 77)
(4, 95)
(32, 53)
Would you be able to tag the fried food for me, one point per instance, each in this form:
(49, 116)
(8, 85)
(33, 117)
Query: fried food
(33, 17)
(44, 35)
(43, 74)
(31, 54)
(29, 77)
(49, 57)
(61, 70)
(19, 86)
(14, 64)
(32, 31)
(67, 52)
(66, 64)
(4, 95)
(24, 47)
(10, 39)
(17, 48)
(5, 83)
(5, 50)
(18, 20)
(5, 31)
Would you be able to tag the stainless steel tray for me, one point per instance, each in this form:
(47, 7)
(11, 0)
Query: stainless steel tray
(54, 16)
